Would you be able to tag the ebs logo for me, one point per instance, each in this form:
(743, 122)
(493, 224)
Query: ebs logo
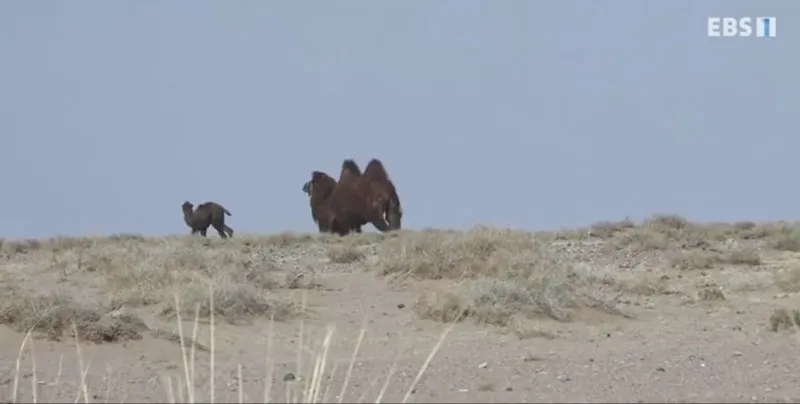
(743, 27)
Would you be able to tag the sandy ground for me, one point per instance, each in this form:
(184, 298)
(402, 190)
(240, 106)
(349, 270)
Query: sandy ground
(674, 343)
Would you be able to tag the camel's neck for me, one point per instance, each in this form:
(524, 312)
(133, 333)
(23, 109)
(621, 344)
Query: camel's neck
(318, 199)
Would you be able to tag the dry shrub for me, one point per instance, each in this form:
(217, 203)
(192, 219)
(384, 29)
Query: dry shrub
(744, 225)
(668, 221)
(502, 274)
(153, 278)
(642, 239)
(744, 256)
(291, 239)
(701, 235)
(645, 286)
(759, 231)
(288, 239)
(343, 254)
(524, 328)
(357, 239)
(441, 305)
(711, 294)
(132, 271)
(233, 302)
(606, 229)
(667, 232)
(788, 280)
(786, 240)
(693, 259)
(783, 319)
(12, 248)
(497, 302)
(301, 279)
(479, 252)
(55, 314)
(662, 231)
(705, 259)
(563, 234)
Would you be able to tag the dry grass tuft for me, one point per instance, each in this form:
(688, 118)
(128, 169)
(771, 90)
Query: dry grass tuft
(705, 259)
(788, 280)
(745, 256)
(786, 240)
(489, 275)
(234, 302)
(783, 319)
(711, 294)
(499, 274)
(55, 314)
(310, 388)
(667, 221)
(479, 252)
(693, 259)
(96, 275)
(607, 229)
(673, 232)
(524, 328)
(344, 254)
(645, 286)
(290, 239)
(642, 240)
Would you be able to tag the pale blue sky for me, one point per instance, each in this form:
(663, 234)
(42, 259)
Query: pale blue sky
(529, 114)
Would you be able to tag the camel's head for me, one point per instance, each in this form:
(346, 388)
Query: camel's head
(320, 186)
(187, 207)
(394, 215)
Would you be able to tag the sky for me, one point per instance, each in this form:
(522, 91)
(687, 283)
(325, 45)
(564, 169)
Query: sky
(528, 114)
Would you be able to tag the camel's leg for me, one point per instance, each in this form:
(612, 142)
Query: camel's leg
(229, 230)
(220, 230)
(339, 228)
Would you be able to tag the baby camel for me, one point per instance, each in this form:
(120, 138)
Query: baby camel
(207, 214)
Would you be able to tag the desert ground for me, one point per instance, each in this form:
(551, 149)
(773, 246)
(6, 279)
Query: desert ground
(662, 310)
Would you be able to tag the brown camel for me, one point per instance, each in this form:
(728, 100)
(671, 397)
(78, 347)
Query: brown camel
(368, 198)
(207, 214)
(382, 193)
(319, 189)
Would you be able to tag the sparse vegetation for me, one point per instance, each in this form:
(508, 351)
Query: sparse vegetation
(788, 280)
(711, 294)
(693, 259)
(110, 289)
(668, 221)
(489, 275)
(606, 229)
(788, 240)
(747, 256)
(783, 319)
(704, 259)
(55, 314)
(233, 301)
(499, 274)
(645, 286)
(96, 276)
(343, 254)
